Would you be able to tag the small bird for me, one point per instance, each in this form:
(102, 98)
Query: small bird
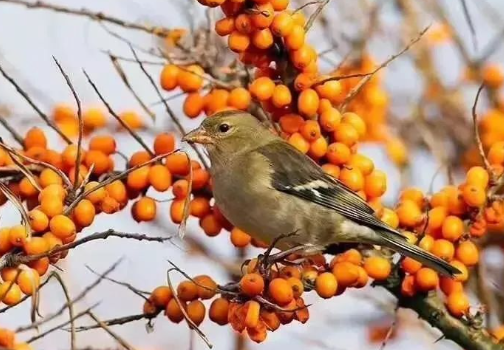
(267, 188)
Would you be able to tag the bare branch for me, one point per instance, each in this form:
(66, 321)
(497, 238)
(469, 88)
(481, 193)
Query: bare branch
(114, 322)
(477, 136)
(118, 338)
(19, 139)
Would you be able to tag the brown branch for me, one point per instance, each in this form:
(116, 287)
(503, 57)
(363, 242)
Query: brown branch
(470, 23)
(118, 338)
(315, 14)
(124, 78)
(351, 95)
(28, 99)
(70, 309)
(95, 16)
(140, 293)
(116, 116)
(81, 124)
(114, 322)
(172, 115)
(19, 139)
(477, 136)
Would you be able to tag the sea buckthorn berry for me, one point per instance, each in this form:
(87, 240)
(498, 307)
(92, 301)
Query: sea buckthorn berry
(169, 77)
(36, 245)
(94, 118)
(308, 102)
(439, 199)
(302, 57)
(138, 179)
(410, 265)
(238, 42)
(252, 316)
(211, 225)
(117, 191)
(296, 286)
(448, 285)
(187, 291)
(280, 291)
(291, 123)
(180, 188)
(474, 196)
(318, 148)
(467, 253)
(28, 281)
(262, 17)
(40, 265)
(27, 189)
(347, 134)
(49, 177)
(443, 249)
(426, 279)
(330, 90)
(326, 285)
(331, 169)
(413, 194)
(219, 310)
(298, 141)
(164, 143)
(69, 155)
(98, 161)
(38, 220)
(178, 164)
(310, 130)
(199, 207)
(282, 24)
(356, 121)
(435, 219)
(262, 88)
(496, 153)
(51, 206)
(207, 287)
(375, 184)
(458, 304)
(281, 96)
(330, 119)
(252, 284)
(478, 176)
(377, 267)
(149, 309)
(35, 137)
(224, 26)
(493, 76)
(409, 213)
(304, 81)
(177, 210)
(456, 203)
(262, 39)
(160, 177)
(196, 311)
(160, 296)
(243, 24)
(103, 143)
(296, 38)
(144, 209)
(408, 287)
(279, 5)
(18, 236)
(363, 163)
(453, 228)
(10, 293)
(239, 98)
(173, 311)
(390, 218)
(352, 178)
(62, 226)
(239, 238)
(138, 158)
(464, 272)
(190, 79)
(346, 273)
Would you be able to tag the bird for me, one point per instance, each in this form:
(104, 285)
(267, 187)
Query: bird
(268, 188)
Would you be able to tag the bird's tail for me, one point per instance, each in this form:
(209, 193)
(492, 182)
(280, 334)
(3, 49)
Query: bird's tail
(402, 246)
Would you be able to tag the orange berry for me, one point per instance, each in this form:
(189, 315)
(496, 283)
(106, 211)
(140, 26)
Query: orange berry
(355, 121)
(238, 42)
(190, 79)
(239, 238)
(458, 304)
(252, 316)
(467, 253)
(99, 162)
(177, 211)
(199, 207)
(304, 81)
(103, 143)
(318, 148)
(408, 287)
(410, 265)
(62, 226)
(252, 284)
(299, 142)
(144, 209)
(390, 217)
(10, 293)
(331, 169)
(169, 77)
(262, 39)
(326, 285)
(200, 178)
(496, 153)
(279, 5)
(439, 199)
(207, 287)
(302, 57)
(330, 90)
(38, 220)
(239, 98)
(310, 130)
(10, 274)
(377, 267)
(219, 310)
(493, 76)
(138, 179)
(160, 177)
(409, 213)
(187, 291)
(117, 191)
(453, 228)
(178, 164)
(211, 225)
(280, 291)
(346, 273)
(7, 338)
(28, 281)
(132, 119)
(291, 123)
(352, 178)
(18, 235)
(262, 17)
(478, 176)
(426, 279)
(51, 206)
(308, 103)
(224, 26)
(262, 88)
(281, 96)
(164, 143)
(435, 219)
(40, 265)
(361, 162)
(26, 188)
(347, 134)
(51, 240)
(413, 194)
(375, 184)
(474, 196)
(36, 245)
(196, 311)
(94, 118)
(282, 24)
(330, 119)
(160, 296)
(173, 311)
(296, 286)
(463, 276)
(443, 249)
(296, 38)
(49, 177)
(456, 203)
(69, 155)
(35, 137)
(243, 24)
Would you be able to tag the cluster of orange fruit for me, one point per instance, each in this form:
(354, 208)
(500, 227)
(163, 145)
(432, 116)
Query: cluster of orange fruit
(8, 341)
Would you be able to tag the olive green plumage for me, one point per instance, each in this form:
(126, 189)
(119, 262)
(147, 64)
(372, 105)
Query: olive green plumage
(266, 187)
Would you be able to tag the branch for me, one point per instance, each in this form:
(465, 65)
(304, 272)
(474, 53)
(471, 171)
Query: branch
(95, 16)
(114, 322)
(477, 137)
(119, 339)
(11, 130)
(28, 99)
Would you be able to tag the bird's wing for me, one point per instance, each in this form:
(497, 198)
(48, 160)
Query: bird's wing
(308, 181)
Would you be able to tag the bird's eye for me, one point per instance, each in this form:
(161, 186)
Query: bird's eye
(224, 127)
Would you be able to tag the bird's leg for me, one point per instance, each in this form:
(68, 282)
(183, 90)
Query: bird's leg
(267, 259)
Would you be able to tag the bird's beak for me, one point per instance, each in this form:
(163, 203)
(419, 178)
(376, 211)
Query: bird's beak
(198, 135)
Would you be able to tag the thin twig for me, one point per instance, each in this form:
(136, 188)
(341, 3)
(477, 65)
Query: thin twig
(70, 309)
(140, 293)
(81, 124)
(477, 136)
(19, 139)
(470, 23)
(28, 99)
(315, 14)
(96, 16)
(114, 335)
(114, 322)
(363, 81)
(116, 116)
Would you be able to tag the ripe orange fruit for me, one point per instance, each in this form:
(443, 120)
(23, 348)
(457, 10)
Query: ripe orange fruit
(375, 184)
(173, 311)
(224, 26)
(326, 285)
(28, 281)
(164, 143)
(346, 273)
(298, 141)
(178, 164)
(35, 137)
(352, 178)
(211, 225)
(426, 279)
(377, 267)
(330, 119)
(282, 24)
(478, 176)
(409, 213)
(100, 162)
(347, 134)
(10, 293)
(252, 315)
(474, 196)
(138, 179)
(190, 79)
(296, 38)
(262, 88)
(467, 253)
(49, 177)
(238, 42)
(144, 209)
(36, 245)
(280, 291)
(103, 143)
(310, 130)
(408, 287)
(281, 96)
(160, 296)
(252, 284)
(18, 236)
(308, 103)
(449, 285)
(169, 77)
(389, 217)
(207, 288)
(443, 249)
(160, 177)
(84, 213)
(196, 311)
(69, 155)
(453, 228)
(458, 304)
(38, 220)
(117, 191)
(62, 226)
(496, 153)
(262, 17)
(239, 98)
(239, 238)
(410, 265)
(187, 291)
(219, 310)
(94, 118)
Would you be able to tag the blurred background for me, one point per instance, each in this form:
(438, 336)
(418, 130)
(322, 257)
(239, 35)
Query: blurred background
(356, 320)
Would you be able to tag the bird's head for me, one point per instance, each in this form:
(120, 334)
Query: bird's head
(229, 132)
